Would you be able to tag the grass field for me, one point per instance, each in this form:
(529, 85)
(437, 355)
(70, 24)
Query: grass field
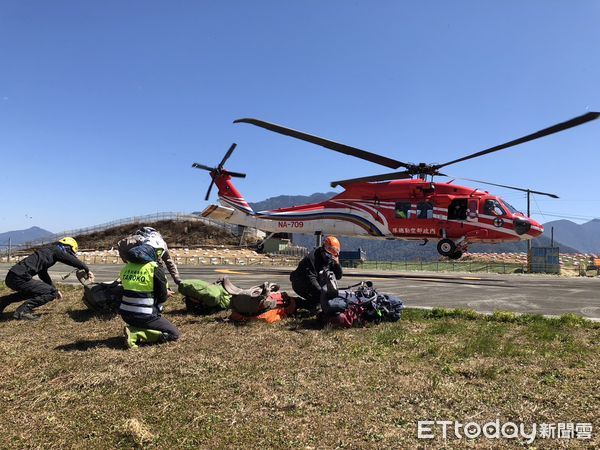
(68, 381)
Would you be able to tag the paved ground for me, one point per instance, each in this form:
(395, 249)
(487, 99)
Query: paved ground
(541, 294)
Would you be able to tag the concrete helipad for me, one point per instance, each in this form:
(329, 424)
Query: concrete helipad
(540, 294)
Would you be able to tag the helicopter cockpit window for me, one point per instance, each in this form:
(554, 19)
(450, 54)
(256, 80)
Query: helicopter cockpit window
(493, 208)
(401, 210)
(511, 208)
(424, 210)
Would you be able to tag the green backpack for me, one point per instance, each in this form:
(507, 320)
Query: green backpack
(202, 297)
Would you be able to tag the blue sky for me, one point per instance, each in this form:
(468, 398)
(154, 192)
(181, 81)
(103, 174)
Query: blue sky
(105, 105)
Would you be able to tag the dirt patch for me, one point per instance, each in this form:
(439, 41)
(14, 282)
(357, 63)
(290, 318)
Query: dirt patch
(176, 234)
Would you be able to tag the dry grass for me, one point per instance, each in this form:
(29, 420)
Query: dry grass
(176, 234)
(68, 381)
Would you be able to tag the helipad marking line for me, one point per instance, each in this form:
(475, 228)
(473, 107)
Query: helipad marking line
(230, 272)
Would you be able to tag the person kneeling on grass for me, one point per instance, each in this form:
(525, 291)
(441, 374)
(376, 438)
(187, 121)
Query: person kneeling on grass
(145, 290)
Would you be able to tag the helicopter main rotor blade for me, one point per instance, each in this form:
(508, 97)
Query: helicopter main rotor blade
(331, 145)
(504, 186)
(382, 177)
(227, 155)
(530, 137)
(235, 174)
(202, 166)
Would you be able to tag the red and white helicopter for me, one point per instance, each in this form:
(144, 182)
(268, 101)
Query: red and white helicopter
(397, 205)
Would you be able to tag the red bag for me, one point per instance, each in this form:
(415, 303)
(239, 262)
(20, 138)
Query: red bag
(349, 318)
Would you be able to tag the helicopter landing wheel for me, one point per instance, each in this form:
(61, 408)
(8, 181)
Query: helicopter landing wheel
(456, 255)
(446, 247)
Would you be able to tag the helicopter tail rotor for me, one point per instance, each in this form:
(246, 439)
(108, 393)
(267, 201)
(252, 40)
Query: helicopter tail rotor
(219, 170)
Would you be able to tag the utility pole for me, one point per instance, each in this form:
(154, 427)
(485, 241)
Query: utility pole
(9, 249)
(528, 240)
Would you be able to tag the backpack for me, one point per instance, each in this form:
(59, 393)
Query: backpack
(352, 316)
(202, 297)
(126, 244)
(284, 306)
(385, 308)
(263, 302)
(362, 305)
(101, 298)
(252, 301)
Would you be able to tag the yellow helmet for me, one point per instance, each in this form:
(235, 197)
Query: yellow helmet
(70, 242)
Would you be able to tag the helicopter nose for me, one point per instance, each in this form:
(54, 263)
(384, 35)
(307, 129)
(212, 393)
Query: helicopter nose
(522, 226)
(530, 226)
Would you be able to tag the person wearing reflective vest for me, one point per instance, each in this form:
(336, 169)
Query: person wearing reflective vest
(150, 236)
(145, 291)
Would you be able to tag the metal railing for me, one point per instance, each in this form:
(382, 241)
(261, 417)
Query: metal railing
(207, 260)
(446, 266)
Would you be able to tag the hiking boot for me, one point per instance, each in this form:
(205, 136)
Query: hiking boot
(25, 313)
(146, 336)
(4, 302)
(131, 337)
(7, 300)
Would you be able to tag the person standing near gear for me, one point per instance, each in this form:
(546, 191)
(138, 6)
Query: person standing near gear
(309, 279)
(144, 294)
(37, 293)
(151, 236)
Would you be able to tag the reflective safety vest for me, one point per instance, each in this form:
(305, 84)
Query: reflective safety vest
(138, 288)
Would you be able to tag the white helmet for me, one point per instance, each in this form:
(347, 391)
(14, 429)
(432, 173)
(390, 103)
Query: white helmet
(153, 238)
(146, 231)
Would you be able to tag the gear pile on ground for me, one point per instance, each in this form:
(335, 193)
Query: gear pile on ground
(362, 304)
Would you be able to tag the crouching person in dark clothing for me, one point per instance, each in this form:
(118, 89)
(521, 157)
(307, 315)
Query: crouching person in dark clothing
(145, 291)
(37, 293)
(310, 277)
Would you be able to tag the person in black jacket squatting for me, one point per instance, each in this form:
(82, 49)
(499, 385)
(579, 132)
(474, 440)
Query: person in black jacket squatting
(309, 278)
(37, 293)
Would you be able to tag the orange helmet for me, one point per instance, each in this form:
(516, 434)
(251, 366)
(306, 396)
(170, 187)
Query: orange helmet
(332, 246)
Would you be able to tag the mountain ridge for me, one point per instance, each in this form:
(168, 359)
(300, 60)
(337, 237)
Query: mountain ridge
(18, 237)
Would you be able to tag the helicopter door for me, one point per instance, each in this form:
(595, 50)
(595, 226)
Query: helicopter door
(472, 215)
